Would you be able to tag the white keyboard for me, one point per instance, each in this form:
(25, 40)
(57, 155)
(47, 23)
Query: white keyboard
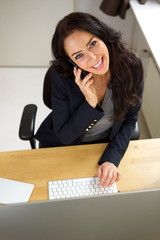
(73, 188)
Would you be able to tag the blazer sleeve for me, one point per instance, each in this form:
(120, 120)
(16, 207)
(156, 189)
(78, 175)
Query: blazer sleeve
(70, 127)
(119, 143)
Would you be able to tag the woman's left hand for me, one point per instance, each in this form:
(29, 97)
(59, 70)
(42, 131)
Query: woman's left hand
(108, 173)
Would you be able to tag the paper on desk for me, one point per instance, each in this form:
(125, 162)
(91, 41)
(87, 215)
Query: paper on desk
(14, 191)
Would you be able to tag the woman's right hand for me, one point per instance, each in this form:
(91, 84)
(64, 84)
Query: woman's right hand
(86, 86)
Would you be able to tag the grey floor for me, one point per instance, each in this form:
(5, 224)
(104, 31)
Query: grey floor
(21, 86)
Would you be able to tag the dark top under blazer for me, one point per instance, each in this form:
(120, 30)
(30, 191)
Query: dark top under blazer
(72, 115)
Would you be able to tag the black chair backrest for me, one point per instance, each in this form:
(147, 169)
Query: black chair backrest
(47, 88)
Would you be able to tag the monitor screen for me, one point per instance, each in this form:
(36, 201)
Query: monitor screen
(130, 216)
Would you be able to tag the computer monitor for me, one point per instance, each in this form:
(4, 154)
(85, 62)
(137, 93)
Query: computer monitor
(122, 216)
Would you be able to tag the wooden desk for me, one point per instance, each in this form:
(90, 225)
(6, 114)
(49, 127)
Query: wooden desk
(140, 167)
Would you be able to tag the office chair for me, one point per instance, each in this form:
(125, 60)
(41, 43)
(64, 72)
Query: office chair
(27, 123)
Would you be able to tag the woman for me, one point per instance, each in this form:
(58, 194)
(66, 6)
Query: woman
(104, 105)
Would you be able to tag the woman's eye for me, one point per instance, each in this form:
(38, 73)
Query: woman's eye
(78, 56)
(93, 43)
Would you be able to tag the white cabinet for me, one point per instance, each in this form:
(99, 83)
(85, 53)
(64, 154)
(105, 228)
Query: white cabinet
(151, 95)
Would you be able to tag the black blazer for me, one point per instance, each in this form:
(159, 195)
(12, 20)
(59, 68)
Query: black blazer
(72, 115)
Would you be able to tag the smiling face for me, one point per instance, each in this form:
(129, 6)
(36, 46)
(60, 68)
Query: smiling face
(88, 51)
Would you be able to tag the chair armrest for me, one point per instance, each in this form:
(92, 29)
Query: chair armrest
(27, 124)
(135, 134)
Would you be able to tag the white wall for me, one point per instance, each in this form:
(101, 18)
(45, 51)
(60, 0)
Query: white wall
(26, 29)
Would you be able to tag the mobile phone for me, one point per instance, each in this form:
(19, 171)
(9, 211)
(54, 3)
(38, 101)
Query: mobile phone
(83, 73)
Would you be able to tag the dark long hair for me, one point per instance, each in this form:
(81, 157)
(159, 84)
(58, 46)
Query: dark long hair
(126, 69)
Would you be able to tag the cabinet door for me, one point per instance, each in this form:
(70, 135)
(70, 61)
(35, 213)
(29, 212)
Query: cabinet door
(151, 99)
(151, 94)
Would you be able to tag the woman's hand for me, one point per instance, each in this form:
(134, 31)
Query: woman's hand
(108, 173)
(86, 87)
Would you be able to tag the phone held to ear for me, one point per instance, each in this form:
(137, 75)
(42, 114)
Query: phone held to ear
(83, 73)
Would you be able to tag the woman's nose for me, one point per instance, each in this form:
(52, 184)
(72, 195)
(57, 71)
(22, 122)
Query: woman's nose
(92, 55)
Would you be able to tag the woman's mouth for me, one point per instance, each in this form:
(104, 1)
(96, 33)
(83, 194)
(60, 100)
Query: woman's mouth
(98, 65)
